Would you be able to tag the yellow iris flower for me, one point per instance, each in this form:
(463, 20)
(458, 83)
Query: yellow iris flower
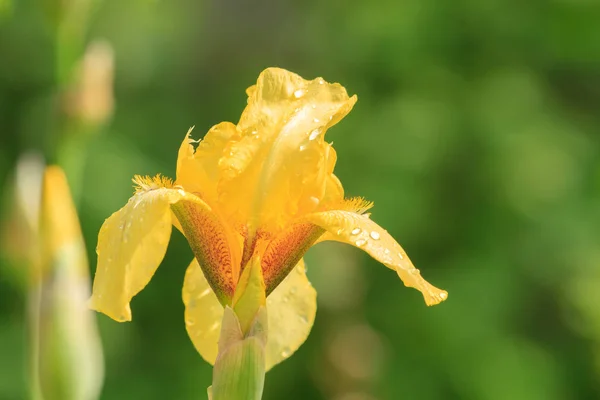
(261, 190)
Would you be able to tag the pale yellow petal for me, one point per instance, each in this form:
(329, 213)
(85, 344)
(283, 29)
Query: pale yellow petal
(131, 244)
(291, 312)
(203, 312)
(281, 161)
(359, 231)
(292, 308)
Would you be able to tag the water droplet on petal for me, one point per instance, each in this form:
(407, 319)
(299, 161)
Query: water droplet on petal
(339, 231)
(386, 251)
(321, 81)
(400, 255)
(293, 290)
(355, 231)
(286, 352)
(360, 242)
(313, 106)
(304, 319)
(181, 192)
(189, 322)
(285, 299)
(315, 133)
(299, 93)
(375, 235)
(443, 295)
(315, 120)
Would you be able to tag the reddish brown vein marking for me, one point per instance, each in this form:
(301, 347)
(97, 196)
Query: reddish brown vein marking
(207, 238)
(285, 251)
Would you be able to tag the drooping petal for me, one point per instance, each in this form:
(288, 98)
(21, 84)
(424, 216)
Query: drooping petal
(359, 231)
(291, 310)
(281, 162)
(131, 244)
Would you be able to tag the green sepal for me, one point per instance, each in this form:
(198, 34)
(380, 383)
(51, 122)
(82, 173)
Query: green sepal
(239, 371)
(249, 294)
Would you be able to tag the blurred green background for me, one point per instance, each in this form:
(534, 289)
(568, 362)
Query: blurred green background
(476, 134)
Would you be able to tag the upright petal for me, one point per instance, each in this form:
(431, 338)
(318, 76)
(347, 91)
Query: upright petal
(131, 244)
(198, 170)
(358, 230)
(281, 162)
(291, 310)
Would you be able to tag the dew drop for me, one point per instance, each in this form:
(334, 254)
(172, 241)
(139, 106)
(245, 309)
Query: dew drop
(360, 242)
(401, 256)
(303, 147)
(321, 81)
(386, 251)
(304, 319)
(443, 295)
(355, 231)
(313, 106)
(190, 322)
(315, 133)
(286, 352)
(315, 120)
(375, 235)
(339, 231)
(299, 93)
(286, 299)
(414, 271)
(293, 290)
(181, 192)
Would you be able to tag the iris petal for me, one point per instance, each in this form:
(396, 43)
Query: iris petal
(291, 312)
(131, 244)
(198, 169)
(281, 160)
(358, 230)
